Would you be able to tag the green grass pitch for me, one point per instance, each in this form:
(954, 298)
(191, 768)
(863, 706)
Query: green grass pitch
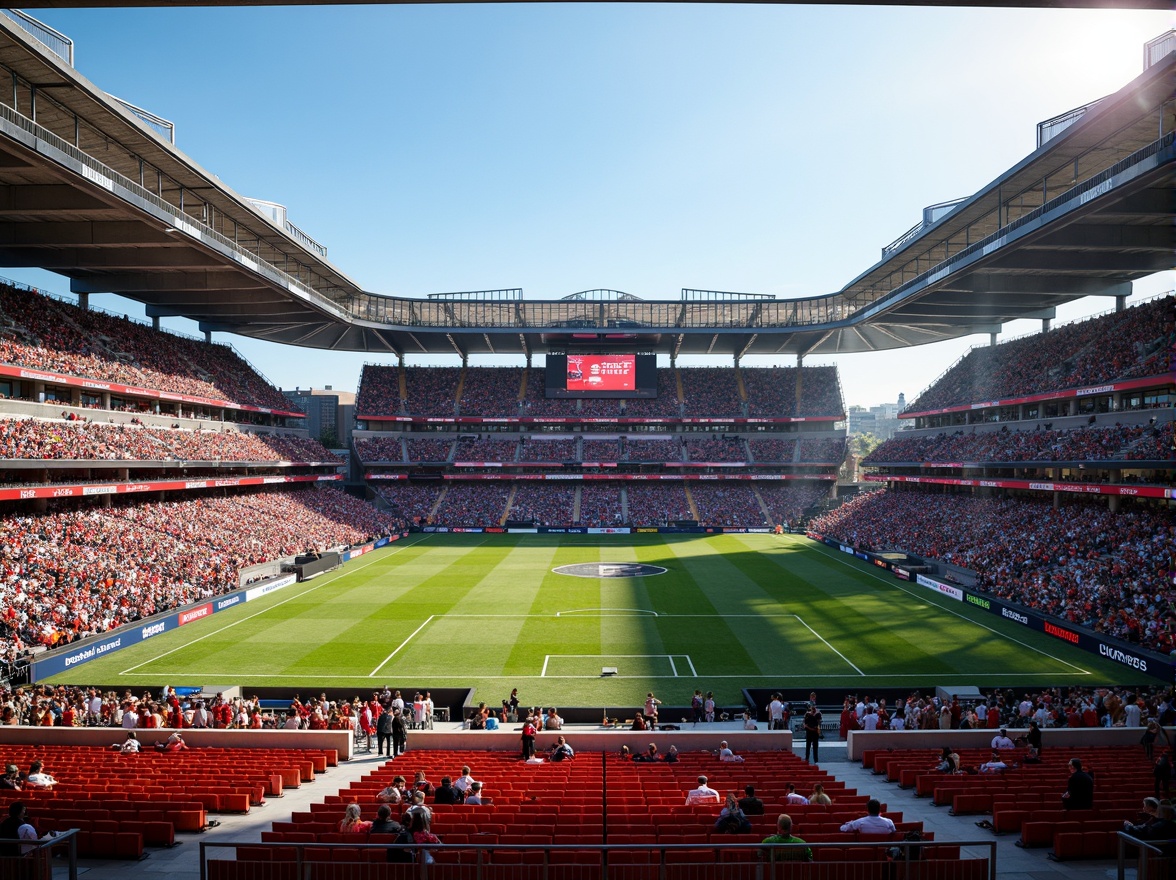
(488, 611)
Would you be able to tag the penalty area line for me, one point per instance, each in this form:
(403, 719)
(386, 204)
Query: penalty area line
(827, 645)
(131, 669)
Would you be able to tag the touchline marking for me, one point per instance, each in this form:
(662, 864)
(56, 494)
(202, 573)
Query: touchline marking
(266, 610)
(372, 674)
(827, 645)
(897, 585)
(963, 676)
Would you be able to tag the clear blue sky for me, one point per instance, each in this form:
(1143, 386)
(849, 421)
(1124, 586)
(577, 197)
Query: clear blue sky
(645, 148)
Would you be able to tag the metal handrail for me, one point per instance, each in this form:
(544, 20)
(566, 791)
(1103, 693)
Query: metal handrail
(43, 851)
(1148, 850)
(911, 852)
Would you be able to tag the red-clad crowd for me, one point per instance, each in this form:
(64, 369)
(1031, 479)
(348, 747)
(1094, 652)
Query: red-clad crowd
(494, 390)
(473, 504)
(541, 449)
(1112, 443)
(727, 504)
(772, 392)
(601, 450)
(665, 405)
(773, 450)
(432, 391)
(485, 449)
(787, 502)
(544, 505)
(371, 449)
(710, 391)
(379, 391)
(715, 449)
(86, 570)
(85, 440)
(411, 501)
(43, 333)
(653, 450)
(1110, 572)
(600, 504)
(829, 449)
(1134, 342)
(657, 503)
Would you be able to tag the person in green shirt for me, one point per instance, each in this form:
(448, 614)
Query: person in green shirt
(784, 835)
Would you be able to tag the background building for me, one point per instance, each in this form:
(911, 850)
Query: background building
(330, 414)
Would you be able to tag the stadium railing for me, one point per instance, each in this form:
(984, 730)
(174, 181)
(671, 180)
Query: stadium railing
(882, 857)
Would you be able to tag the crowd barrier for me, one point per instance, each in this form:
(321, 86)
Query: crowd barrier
(1150, 663)
(55, 662)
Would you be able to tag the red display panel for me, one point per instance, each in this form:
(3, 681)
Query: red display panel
(588, 373)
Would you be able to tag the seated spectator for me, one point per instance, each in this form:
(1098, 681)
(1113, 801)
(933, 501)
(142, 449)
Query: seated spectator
(384, 823)
(561, 751)
(553, 722)
(871, 823)
(446, 793)
(475, 794)
(725, 754)
(17, 827)
(704, 794)
(731, 819)
(995, 764)
(11, 781)
(773, 850)
(352, 822)
(129, 746)
(819, 797)
(671, 755)
(1149, 819)
(394, 793)
(38, 778)
(174, 743)
(749, 803)
(793, 796)
(1002, 740)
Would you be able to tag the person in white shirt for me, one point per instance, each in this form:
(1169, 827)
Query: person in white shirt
(651, 704)
(994, 764)
(982, 713)
(38, 778)
(704, 794)
(130, 719)
(1001, 740)
(793, 797)
(475, 795)
(776, 713)
(129, 746)
(871, 823)
(725, 754)
(749, 722)
(200, 716)
(429, 710)
(870, 719)
(897, 722)
(94, 710)
(463, 782)
(1131, 714)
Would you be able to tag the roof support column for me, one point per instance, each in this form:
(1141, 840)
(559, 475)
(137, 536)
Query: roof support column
(208, 336)
(992, 339)
(155, 323)
(84, 302)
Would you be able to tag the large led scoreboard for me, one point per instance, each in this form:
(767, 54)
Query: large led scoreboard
(601, 375)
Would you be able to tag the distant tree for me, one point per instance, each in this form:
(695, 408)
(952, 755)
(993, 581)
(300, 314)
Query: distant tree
(862, 445)
(329, 439)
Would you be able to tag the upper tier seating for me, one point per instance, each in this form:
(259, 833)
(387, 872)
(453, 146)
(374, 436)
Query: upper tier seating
(81, 440)
(46, 334)
(1134, 342)
(1113, 443)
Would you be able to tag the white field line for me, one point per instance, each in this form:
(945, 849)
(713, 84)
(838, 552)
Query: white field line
(673, 667)
(967, 677)
(898, 585)
(579, 611)
(546, 658)
(827, 645)
(372, 674)
(691, 662)
(266, 610)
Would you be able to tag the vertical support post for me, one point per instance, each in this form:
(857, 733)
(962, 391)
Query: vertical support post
(992, 339)
(84, 301)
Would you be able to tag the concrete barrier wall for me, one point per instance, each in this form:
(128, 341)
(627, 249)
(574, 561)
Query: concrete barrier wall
(339, 740)
(604, 740)
(860, 740)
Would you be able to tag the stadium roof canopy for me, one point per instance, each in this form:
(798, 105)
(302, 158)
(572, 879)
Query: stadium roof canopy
(92, 188)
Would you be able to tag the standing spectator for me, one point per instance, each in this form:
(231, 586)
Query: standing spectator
(384, 734)
(399, 733)
(651, 704)
(812, 733)
(528, 738)
(1079, 794)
